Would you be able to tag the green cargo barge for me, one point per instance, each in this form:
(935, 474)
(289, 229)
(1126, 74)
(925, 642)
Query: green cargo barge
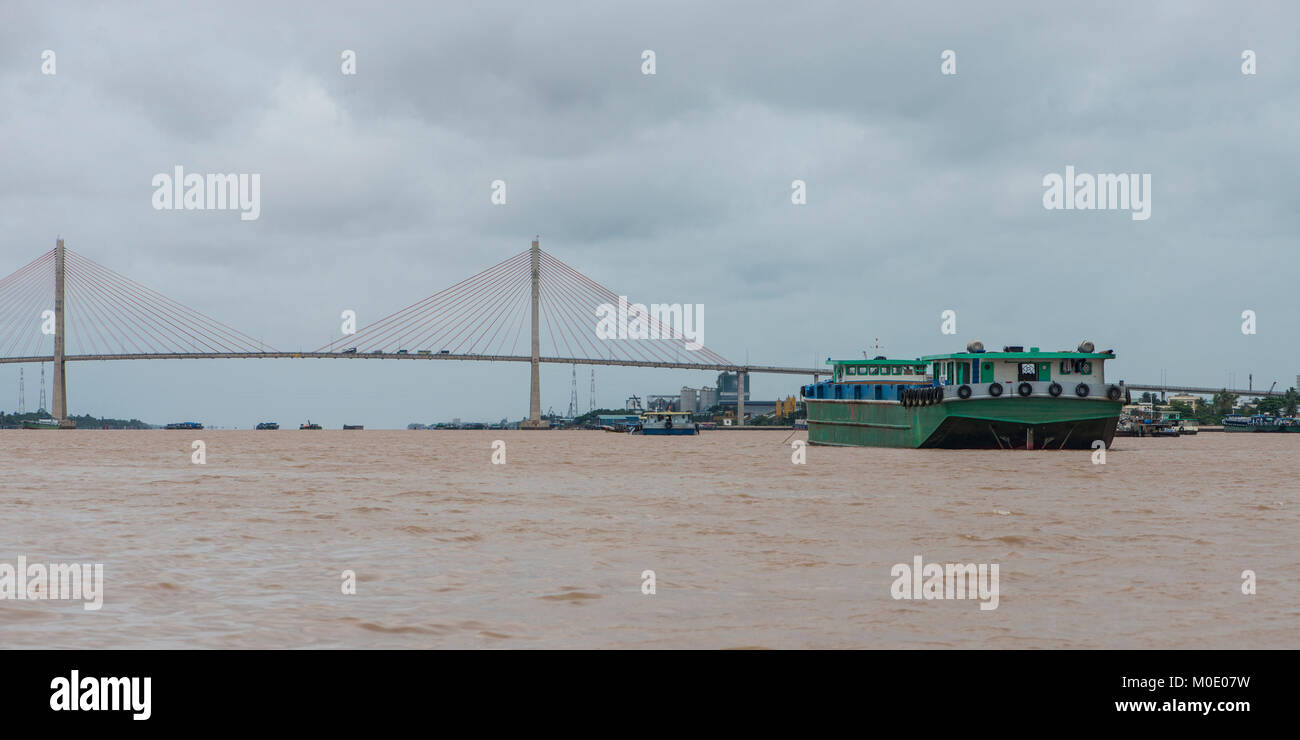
(1013, 399)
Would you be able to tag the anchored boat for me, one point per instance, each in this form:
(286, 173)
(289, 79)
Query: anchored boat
(1256, 423)
(668, 423)
(1013, 399)
(271, 425)
(309, 425)
(41, 424)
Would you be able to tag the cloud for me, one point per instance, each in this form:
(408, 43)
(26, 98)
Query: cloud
(924, 190)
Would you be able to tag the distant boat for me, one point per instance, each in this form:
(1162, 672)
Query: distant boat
(41, 424)
(664, 423)
(309, 425)
(184, 425)
(268, 425)
(353, 426)
(1256, 423)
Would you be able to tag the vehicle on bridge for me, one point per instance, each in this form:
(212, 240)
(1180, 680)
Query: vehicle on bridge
(350, 351)
(1013, 399)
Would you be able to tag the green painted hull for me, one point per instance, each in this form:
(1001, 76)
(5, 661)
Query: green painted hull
(977, 423)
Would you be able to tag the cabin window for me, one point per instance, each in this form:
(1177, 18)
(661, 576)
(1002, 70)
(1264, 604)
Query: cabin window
(898, 370)
(873, 370)
(1028, 371)
(1066, 367)
(1087, 368)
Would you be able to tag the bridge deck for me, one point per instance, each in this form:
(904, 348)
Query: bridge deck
(413, 356)
(1202, 390)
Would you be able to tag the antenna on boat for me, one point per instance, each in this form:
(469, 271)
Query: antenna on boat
(875, 348)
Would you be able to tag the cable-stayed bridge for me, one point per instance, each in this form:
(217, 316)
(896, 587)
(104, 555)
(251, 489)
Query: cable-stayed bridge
(64, 307)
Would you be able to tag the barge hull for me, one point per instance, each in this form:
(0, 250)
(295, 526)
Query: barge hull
(987, 423)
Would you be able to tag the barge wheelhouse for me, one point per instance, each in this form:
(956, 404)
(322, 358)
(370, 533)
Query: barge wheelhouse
(1013, 399)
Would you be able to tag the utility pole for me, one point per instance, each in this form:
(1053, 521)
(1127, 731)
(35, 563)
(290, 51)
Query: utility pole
(573, 392)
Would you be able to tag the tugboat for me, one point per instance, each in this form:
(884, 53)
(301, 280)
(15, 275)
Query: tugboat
(309, 425)
(1187, 426)
(1156, 423)
(662, 423)
(1013, 399)
(268, 425)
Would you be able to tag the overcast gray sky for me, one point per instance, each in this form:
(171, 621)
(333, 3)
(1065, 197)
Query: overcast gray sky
(924, 190)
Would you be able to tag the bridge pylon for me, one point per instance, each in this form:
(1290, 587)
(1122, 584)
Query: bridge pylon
(534, 420)
(60, 399)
